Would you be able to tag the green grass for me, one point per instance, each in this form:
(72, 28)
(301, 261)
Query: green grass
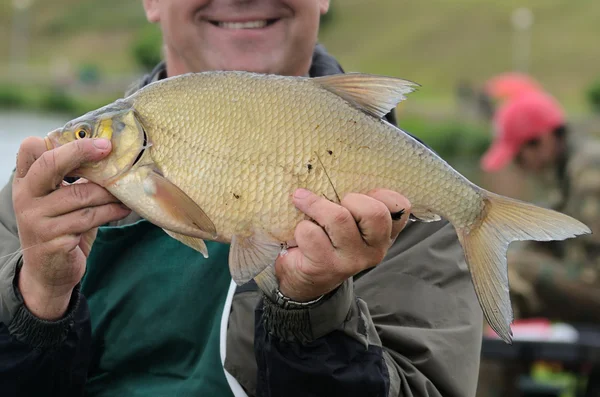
(50, 99)
(80, 31)
(432, 42)
(449, 138)
(438, 42)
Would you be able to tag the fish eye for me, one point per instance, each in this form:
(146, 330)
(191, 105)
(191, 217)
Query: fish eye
(81, 133)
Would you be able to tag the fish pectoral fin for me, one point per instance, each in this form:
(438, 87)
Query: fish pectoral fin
(176, 203)
(249, 256)
(194, 243)
(376, 95)
(421, 214)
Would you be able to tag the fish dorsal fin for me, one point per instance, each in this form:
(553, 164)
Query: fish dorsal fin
(376, 95)
(195, 243)
(249, 256)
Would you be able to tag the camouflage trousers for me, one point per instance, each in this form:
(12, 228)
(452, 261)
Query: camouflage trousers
(542, 286)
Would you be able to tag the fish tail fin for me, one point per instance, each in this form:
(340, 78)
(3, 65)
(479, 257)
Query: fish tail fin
(485, 246)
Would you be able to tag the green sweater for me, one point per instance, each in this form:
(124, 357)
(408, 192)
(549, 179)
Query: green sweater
(159, 303)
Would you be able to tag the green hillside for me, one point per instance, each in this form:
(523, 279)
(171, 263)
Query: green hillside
(433, 42)
(437, 42)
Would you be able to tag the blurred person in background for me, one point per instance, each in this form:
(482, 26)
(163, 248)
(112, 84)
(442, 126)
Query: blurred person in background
(152, 317)
(555, 280)
(509, 85)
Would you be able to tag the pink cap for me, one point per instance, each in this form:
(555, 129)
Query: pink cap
(519, 120)
(510, 85)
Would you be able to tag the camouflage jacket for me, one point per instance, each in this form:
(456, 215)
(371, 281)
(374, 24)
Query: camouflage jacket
(577, 193)
(560, 279)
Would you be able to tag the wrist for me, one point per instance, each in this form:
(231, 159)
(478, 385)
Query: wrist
(45, 302)
(289, 303)
(306, 293)
(307, 323)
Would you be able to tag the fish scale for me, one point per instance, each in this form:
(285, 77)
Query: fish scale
(228, 149)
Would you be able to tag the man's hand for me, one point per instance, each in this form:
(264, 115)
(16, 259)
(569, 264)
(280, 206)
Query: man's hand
(345, 240)
(57, 223)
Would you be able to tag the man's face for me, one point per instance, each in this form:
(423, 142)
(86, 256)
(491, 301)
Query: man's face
(539, 154)
(263, 36)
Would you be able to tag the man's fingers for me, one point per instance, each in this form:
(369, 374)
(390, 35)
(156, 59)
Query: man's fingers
(83, 220)
(314, 242)
(75, 197)
(372, 216)
(29, 151)
(52, 166)
(398, 206)
(335, 219)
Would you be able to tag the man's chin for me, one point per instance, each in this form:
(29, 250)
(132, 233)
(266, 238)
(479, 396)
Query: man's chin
(265, 59)
(251, 64)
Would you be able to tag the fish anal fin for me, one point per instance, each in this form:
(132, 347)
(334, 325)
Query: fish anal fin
(250, 255)
(194, 243)
(486, 243)
(376, 95)
(421, 214)
(177, 204)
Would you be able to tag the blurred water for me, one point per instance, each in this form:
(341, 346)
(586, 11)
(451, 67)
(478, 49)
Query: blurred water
(16, 126)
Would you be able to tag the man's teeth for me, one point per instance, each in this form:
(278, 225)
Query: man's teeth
(243, 25)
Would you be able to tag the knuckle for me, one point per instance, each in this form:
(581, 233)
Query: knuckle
(88, 215)
(66, 243)
(28, 143)
(342, 216)
(80, 193)
(48, 160)
(80, 149)
(306, 231)
(349, 198)
(380, 213)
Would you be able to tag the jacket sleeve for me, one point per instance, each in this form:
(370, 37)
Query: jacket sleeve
(37, 357)
(412, 326)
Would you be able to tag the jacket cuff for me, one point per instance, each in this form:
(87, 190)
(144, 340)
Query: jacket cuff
(38, 333)
(307, 324)
(10, 300)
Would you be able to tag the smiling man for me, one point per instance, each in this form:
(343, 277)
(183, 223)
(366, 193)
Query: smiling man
(375, 315)
(260, 36)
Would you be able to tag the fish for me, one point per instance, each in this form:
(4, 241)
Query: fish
(217, 156)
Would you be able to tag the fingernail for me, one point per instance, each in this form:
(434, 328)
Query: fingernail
(397, 215)
(301, 193)
(101, 143)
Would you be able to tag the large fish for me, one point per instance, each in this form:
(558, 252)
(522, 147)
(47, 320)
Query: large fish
(216, 156)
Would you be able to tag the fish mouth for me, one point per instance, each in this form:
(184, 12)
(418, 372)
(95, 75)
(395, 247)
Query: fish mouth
(51, 139)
